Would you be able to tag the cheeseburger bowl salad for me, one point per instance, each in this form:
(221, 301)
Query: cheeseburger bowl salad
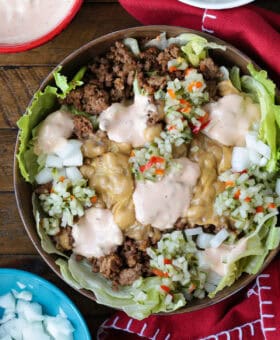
(155, 172)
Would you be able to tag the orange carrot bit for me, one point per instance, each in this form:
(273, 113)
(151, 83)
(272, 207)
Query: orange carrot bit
(191, 287)
(132, 154)
(259, 209)
(229, 184)
(171, 93)
(165, 288)
(171, 127)
(159, 272)
(248, 199)
(172, 69)
(167, 261)
(52, 191)
(236, 194)
(272, 205)
(188, 71)
(72, 197)
(93, 199)
(61, 179)
(194, 85)
(159, 172)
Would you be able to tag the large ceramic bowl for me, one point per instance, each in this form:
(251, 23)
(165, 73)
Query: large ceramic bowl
(71, 64)
(47, 295)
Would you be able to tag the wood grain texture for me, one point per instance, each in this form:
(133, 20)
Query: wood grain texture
(92, 21)
(7, 145)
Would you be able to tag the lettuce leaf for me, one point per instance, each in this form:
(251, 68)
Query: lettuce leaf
(234, 75)
(265, 90)
(196, 49)
(63, 84)
(43, 103)
(46, 242)
(128, 298)
(265, 238)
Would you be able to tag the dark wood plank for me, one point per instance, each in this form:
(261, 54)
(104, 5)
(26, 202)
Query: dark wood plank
(93, 313)
(7, 144)
(93, 20)
(17, 86)
(13, 238)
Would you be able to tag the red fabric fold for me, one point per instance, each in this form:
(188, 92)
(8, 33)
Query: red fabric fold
(253, 30)
(253, 313)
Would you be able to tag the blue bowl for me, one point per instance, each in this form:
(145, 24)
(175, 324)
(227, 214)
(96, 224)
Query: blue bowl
(46, 294)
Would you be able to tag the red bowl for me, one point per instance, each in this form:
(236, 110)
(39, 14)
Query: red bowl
(5, 48)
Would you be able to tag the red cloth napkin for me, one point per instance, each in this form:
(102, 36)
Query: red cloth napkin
(254, 312)
(253, 30)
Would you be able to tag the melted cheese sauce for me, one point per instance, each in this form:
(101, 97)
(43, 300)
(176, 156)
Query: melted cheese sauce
(219, 259)
(127, 123)
(96, 234)
(54, 132)
(162, 203)
(231, 117)
(28, 20)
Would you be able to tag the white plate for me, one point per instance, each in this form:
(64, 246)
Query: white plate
(216, 4)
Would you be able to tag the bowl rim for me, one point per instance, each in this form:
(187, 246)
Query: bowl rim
(51, 287)
(49, 258)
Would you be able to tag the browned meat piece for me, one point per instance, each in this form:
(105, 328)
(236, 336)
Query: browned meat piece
(64, 239)
(43, 188)
(154, 117)
(109, 266)
(119, 53)
(95, 100)
(180, 224)
(171, 52)
(209, 69)
(82, 127)
(89, 98)
(212, 88)
(101, 69)
(148, 59)
(128, 276)
(131, 253)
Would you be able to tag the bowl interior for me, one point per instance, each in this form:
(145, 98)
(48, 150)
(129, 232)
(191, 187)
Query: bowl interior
(47, 295)
(71, 64)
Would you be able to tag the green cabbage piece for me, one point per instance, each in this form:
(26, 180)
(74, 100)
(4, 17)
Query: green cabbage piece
(265, 91)
(46, 242)
(197, 47)
(43, 103)
(234, 76)
(127, 298)
(265, 238)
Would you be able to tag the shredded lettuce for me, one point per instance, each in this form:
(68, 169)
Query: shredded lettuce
(234, 75)
(265, 90)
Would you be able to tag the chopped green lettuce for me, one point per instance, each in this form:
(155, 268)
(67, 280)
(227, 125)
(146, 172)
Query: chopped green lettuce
(269, 132)
(234, 75)
(63, 84)
(196, 49)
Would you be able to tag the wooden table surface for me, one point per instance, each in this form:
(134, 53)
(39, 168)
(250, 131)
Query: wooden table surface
(20, 76)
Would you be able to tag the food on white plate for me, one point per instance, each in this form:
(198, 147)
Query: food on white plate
(24, 319)
(155, 173)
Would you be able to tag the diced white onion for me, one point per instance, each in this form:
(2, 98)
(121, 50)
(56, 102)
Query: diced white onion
(213, 277)
(203, 240)
(8, 302)
(240, 159)
(44, 176)
(53, 161)
(219, 238)
(23, 295)
(133, 45)
(254, 156)
(73, 173)
(209, 287)
(193, 231)
(72, 146)
(76, 159)
(263, 149)
(277, 188)
(58, 326)
(30, 311)
(251, 140)
(263, 161)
